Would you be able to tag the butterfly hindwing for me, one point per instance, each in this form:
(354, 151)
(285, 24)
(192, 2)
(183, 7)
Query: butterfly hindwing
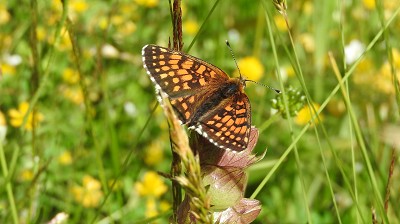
(228, 124)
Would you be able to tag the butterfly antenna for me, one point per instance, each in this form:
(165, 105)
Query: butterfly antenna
(269, 87)
(248, 80)
(233, 56)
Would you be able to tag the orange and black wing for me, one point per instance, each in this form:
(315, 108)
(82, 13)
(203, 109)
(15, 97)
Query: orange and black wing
(228, 125)
(183, 78)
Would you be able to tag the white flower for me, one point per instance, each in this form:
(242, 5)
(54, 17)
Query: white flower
(109, 51)
(130, 109)
(61, 217)
(233, 36)
(353, 51)
(13, 60)
(283, 73)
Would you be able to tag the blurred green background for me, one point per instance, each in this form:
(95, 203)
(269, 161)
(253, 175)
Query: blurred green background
(79, 139)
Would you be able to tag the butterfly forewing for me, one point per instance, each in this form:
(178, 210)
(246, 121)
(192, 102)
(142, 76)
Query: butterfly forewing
(190, 83)
(182, 77)
(178, 74)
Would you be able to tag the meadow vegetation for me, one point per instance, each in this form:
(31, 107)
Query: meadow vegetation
(82, 136)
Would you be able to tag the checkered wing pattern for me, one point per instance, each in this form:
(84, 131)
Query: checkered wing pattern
(202, 95)
(228, 126)
(184, 78)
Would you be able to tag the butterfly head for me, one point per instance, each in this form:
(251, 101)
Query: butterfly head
(242, 81)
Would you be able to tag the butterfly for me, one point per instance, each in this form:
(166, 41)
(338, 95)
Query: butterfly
(203, 96)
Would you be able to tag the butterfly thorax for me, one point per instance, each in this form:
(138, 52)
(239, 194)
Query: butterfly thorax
(226, 90)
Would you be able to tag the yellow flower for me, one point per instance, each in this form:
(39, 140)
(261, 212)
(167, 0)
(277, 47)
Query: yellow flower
(128, 9)
(369, 4)
(56, 5)
(336, 107)
(280, 22)
(251, 67)
(65, 158)
(52, 19)
(165, 206)
(7, 69)
(365, 75)
(363, 72)
(389, 8)
(117, 20)
(396, 57)
(308, 42)
(75, 95)
(55, 13)
(151, 208)
(75, 7)
(390, 5)
(384, 83)
(6, 40)
(78, 6)
(41, 33)
(4, 14)
(90, 194)
(103, 23)
(2, 119)
(304, 115)
(154, 154)
(65, 42)
(364, 66)
(289, 71)
(17, 116)
(128, 28)
(147, 3)
(308, 7)
(151, 185)
(26, 175)
(70, 76)
(190, 27)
